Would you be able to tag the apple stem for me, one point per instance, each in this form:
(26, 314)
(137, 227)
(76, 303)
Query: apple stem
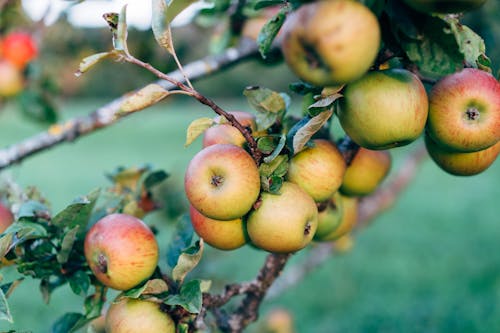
(472, 113)
(217, 180)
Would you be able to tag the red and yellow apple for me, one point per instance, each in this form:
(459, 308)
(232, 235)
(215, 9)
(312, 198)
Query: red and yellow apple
(19, 49)
(6, 218)
(224, 132)
(11, 79)
(284, 222)
(464, 111)
(347, 222)
(279, 320)
(121, 251)
(223, 235)
(444, 6)
(222, 182)
(384, 109)
(318, 170)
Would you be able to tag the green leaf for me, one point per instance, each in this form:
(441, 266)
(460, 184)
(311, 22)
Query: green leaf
(270, 105)
(267, 3)
(273, 173)
(32, 210)
(305, 133)
(267, 144)
(67, 322)
(8, 288)
(4, 308)
(79, 283)
(36, 104)
(120, 39)
(18, 232)
(197, 128)
(6, 241)
(275, 184)
(182, 328)
(151, 287)
(190, 297)
(188, 260)
(143, 98)
(175, 7)
(88, 62)
(270, 30)
(161, 25)
(78, 212)
(470, 44)
(154, 178)
(277, 150)
(67, 245)
(182, 238)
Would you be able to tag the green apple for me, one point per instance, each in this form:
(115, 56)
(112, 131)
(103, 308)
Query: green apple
(222, 182)
(11, 79)
(6, 217)
(121, 251)
(224, 132)
(444, 6)
(367, 170)
(331, 42)
(128, 315)
(284, 222)
(384, 109)
(348, 221)
(223, 235)
(464, 111)
(329, 216)
(459, 163)
(318, 170)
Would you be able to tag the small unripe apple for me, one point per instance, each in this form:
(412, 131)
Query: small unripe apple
(19, 49)
(11, 79)
(384, 109)
(284, 222)
(128, 315)
(329, 216)
(6, 218)
(462, 164)
(121, 251)
(348, 221)
(464, 111)
(444, 6)
(318, 170)
(222, 182)
(224, 132)
(367, 170)
(331, 42)
(223, 235)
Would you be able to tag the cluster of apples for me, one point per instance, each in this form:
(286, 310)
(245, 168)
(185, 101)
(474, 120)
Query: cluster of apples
(17, 49)
(317, 200)
(335, 42)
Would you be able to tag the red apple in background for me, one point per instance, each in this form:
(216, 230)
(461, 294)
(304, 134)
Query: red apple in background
(11, 79)
(318, 170)
(347, 222)
(6, 217)
(462, 164)
(366, 171)
(224, 132)
(127, 315)
(222, 182)
(384, 109)
(444, 6)
(223, 235)
(121, 251)
(284, 222)
(19, 49)
(464, 111)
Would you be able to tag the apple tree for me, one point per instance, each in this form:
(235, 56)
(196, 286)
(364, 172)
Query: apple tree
(393, 72)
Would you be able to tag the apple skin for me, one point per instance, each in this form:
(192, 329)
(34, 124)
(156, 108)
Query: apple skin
(444, 6)
(464, 111)
(348, 221)
(222, 182)
(329, 217)
(19, 49)
(284, 222)
(318, 170)
(226, 133)
(462, 164)
(11, 79)
(279, 320)
(121, 251)
(223, 235)
(367, 170)
(128, 315)
(331, 42)
(384, 109)
(6, 218)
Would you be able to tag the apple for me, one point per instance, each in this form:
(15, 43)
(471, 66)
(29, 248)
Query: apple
(127, 315)
(224, 132)
(329, 216)
(464, 111)
(97, 325)
(459, 163)
(284, 222)
(6, 218)
(444, 6)
(279, 320)
(11, 79)
(384, 109)
(348, 221)
(318, 170)
(223, 235)
(121, 251)
(222, 182)
(19, 48)
(367, 170)
(331, 42)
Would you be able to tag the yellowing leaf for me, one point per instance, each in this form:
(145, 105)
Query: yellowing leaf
(196, 128)
(307, 131)
(90, 61)
(147, 96)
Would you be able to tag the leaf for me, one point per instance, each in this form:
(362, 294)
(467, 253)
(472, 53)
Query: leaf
(88, 62)
(307, 131)
(19, 232)
(470, 44)
(78, 212)
(190, 297)
(8, 288)
(269, 104)
(67, 245)
(182, 328)
(188, 260)
(161, 26)
(141, 99)
(120, 38)
(197, 128)
(175, 7)
(267, 3)
(151, 287)
(4, 308)
(182, 238)
(79, 283)
(154, 178)
(278, 167)
(270, 30)
(67, 322)
(32, 210)
(277, 150)
(325, 101)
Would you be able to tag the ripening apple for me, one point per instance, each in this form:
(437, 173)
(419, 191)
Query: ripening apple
(348, 221)
(384, 109)
(279, 320)
(444, 6)
(127, 315)
(367, 170)
(464, 111)
(224, 132)
(459, 163)
(331, 42)
(318, 170)
(19, 49)
(223, 235)
(11, 79)
(329, 216)
(222, 182)
(121, 251)
(284, 222)
(6, 218)
(252, 27)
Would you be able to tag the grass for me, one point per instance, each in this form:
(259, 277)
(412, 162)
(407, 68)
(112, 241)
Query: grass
(430, 264)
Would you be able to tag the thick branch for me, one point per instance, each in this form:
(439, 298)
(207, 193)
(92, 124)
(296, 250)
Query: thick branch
(110, 113)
